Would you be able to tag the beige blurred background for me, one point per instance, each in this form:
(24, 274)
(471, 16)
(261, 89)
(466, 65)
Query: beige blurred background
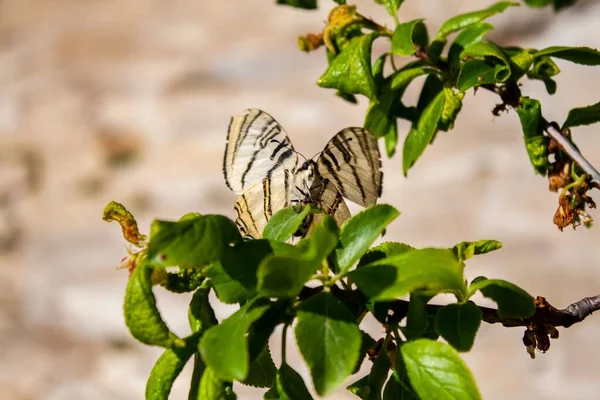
(129, 100)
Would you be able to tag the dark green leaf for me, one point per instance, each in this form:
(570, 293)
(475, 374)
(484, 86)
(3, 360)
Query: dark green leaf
(183, 281)
(417, 318)
(361, 231)
(361, 389)
(530, 115)
(190, 216)
(272, 394)
(458, 324)
(141, 315)
(401, 78)
(165, 371)
(578, 55)
(262, 370)
(408, 35)
(430, 271)
(224, 347)
(385, 249)
(212, 387)
(452, 106)
(290, 384)
(366, 344)
(284, 223)
(199, 368)
(464, 20)
(228, 290)
(285, 275)
(329, 341)
(437, 372)
(472, 34)
(306, 4)
(418, 138)
(350, 71)
(242, 261)
(544, 69)
(398, 386)
(200, 314)
(494, 68)
(369, 387)
(583, 116)
(466, 250)
(513, 302)
(192, 242)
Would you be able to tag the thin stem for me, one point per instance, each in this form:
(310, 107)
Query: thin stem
(284, 343)
(573, 153)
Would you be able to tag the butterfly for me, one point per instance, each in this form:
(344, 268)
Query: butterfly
(262, 167)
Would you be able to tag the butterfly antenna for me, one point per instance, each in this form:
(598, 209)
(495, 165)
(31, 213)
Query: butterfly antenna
(331, 145)
(289, 148)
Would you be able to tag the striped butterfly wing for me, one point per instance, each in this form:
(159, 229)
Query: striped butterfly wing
(352, 162)
(330, 201)
(257, 148)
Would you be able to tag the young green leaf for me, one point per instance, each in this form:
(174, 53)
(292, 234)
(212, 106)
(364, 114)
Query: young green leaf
(166, 370)
(578, 55)
(466, 250)
(418, 138)
(213, 387)
(530, 115)
(201, 315)
(464, 20)
(437, 372)
(350, 71)
(141, 315)
(458, 324)
(360, 231)
(329, 341)
(583, 116)
(544, 69)
(284, 275)
(429, 271)
(285, 222)
(401, 78)
(477, 71)
(306, 4)
(290, 385)
(385, 249)
(513, 302)
(472, 34)
(224, 347)
(392, 6)
(407, 36)
(117, 212)
(192, 242)
(452, 106)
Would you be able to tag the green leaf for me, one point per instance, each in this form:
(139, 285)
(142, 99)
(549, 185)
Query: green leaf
(141, 315)
(418, 138)
(392, 6)
(472, 34)
(494, 68)
(369, 387)
(228, 290)
(262, 372)
(201, 314)
(401, 78)
(385, 249)
(583, 116)
(544, 69)
(513, 302)
(212, 387)
(464, 20)
(190, 216)
(290, 385)
(305, 4)
(285, 222)
(409, 35)
(191, 242)
(452, 106)
(284, 275)
(224, 347)
(429, 271)
(578, 55)
(437, 372)
(458, 324)
(417, 318)
(530, 115)
(466, 250)
(242, 261)
(350, 71)
(165, 371)
(117, 212)
(398, 386)
(197, 373)
(360, 231)
(329, 341)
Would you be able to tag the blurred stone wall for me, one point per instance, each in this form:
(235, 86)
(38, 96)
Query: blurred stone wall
(129, 100)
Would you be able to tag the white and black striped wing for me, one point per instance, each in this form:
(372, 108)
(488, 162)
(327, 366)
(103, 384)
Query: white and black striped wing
(352, 162)
(260, 201)
(331, 202)
(257, 148)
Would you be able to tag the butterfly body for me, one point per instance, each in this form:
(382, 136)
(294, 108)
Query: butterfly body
(262, 167)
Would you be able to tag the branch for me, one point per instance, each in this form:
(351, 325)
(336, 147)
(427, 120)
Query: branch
(573, 153)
